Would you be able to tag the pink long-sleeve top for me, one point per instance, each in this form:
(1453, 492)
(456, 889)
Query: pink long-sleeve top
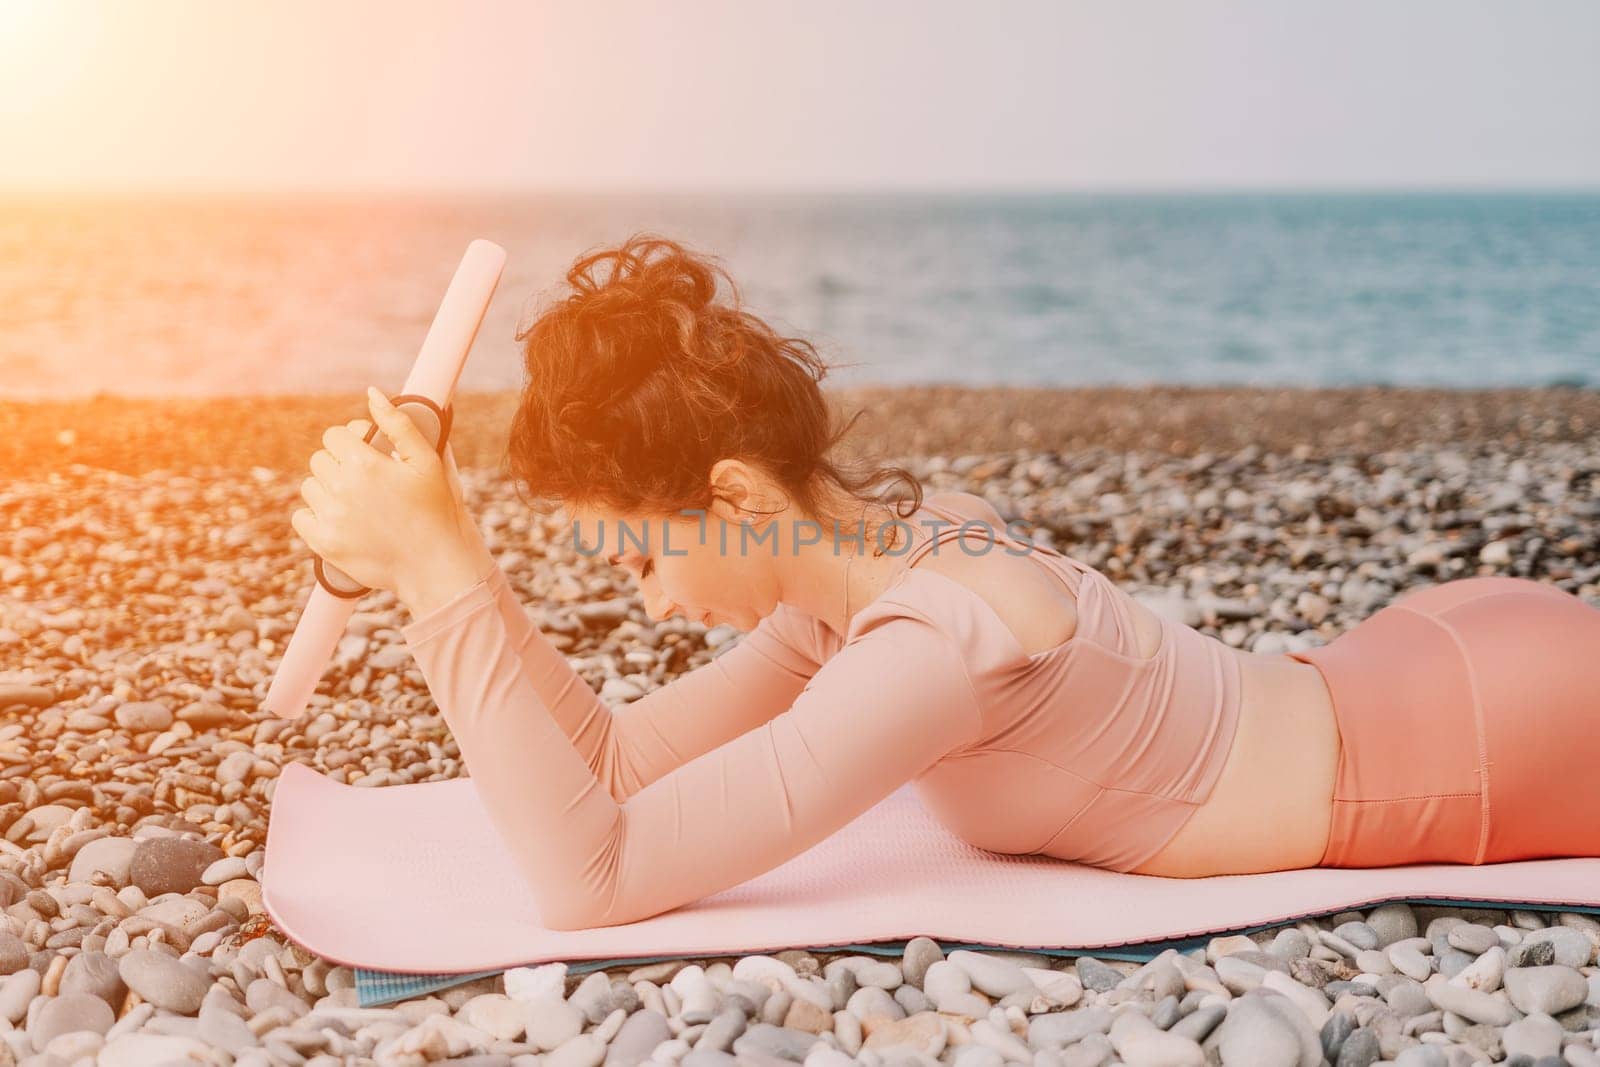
(1086, 751)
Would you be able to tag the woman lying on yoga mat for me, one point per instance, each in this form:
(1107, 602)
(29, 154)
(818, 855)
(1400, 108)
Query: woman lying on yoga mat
(1037, 706)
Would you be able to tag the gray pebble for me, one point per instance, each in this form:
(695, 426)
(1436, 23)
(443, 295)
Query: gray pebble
(1540, 953)
(1166, 1012)
(1096, 975)
(170, 864)
(67, 1013)
(720, 1032)
(1452, 961)
(1409, 961)
(594, 997)
(1057, 1028)
(1238, 975)
(623, 996)
(912, 1000)
(1534, 1035)
(1358, 934)
(1572, 948)
(774, 1041)
(921, 953)
(1472, 1004)
(96, 974)
(640, 1034)
(1392, 922)
(1199, 1023)
(1421, 1056)
(1253, 1035)
(163, 980)
(1263, 959)
(1470, 937)
(1408, 999)
(1335, 1029)
(1360, 1049)
(1548, 989)
(13, 953)
(1290, 943)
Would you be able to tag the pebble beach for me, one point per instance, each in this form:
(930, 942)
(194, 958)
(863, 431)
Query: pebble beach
(149, 579)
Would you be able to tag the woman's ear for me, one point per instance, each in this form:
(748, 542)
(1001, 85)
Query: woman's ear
(727, 511)
(738, 494)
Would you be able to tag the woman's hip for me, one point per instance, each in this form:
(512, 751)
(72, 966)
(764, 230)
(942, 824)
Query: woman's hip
(1467, 715)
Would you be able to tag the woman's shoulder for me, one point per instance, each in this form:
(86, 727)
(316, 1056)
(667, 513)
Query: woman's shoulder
(927, 597)
(968, 506)
(1001, 605)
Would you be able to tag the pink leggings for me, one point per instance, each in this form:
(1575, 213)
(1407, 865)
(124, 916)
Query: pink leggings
(1469, 724)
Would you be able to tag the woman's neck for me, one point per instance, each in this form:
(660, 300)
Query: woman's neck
(834, 579)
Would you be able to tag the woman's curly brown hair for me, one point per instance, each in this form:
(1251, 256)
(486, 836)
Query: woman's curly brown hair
(640, 380)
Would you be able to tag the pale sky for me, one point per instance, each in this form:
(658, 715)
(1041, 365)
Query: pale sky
(824, 94)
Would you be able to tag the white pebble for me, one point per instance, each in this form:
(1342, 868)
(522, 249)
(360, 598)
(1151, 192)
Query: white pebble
(1140, 1043)
(585, 1050)
(531, 983)
(496, 1015)
(552, 1022)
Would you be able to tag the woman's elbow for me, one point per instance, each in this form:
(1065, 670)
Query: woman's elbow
(570, 912)
(576, 905)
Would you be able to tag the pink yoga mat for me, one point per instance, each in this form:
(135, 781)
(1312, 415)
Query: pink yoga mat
(413, 879)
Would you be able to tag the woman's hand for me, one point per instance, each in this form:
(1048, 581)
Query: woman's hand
(381, 517)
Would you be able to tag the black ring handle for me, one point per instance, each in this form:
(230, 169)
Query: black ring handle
(432, 420)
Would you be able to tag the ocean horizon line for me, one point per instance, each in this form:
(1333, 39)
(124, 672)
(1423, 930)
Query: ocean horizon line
(32, 191)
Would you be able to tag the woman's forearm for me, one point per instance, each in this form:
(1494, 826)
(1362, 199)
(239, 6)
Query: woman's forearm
(454, 582)
(457, 582)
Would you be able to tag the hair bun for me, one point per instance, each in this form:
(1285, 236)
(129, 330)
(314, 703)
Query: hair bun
(645, 271)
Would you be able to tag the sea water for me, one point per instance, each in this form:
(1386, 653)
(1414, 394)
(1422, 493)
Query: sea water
(254, 294)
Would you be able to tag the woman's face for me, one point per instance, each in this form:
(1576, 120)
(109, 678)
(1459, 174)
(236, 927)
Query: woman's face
(688, 564)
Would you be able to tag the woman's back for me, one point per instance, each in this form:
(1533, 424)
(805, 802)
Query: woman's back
(1097, 748)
